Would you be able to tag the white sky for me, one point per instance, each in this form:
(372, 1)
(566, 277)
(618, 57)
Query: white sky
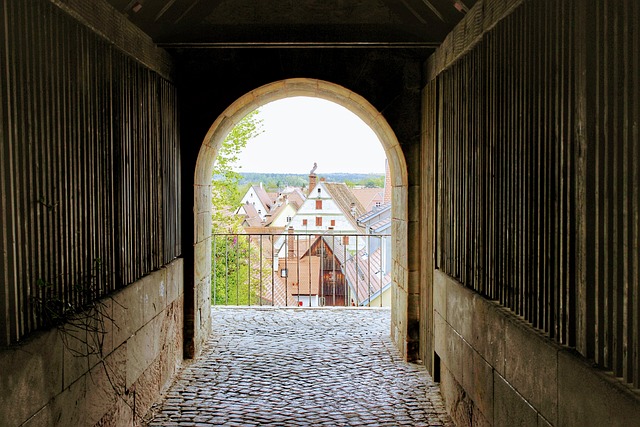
(299, 131)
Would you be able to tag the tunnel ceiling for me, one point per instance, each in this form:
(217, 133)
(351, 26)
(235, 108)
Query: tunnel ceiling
(184, 23)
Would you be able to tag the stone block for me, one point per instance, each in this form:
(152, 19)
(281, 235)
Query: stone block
(203, 199)
(202, 253)
(542, 422)
(400, 244)
(400, 198)
(478, 419)
(454, 352)
(171, 339)
(510, 408)
(271, 88)
(147, 389)
(121, 414)
(488, 332)
(456, 402)
(128, 313)
(31, 375)
(142, 348)
(413, 246)
(66, 409)
(101, 341)
(398, 167)
(154, 294)
(440, 333)
(75, 353)
(105, 385)
(340, 95)
(478, 382)
(385, 134)
(588, 397)
(531, 367)
(175, 280)
(460, 312)
(440, 293)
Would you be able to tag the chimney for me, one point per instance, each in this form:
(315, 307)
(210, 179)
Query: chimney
(312, 182)
(387, 182)
(290, 243)
(312, 178)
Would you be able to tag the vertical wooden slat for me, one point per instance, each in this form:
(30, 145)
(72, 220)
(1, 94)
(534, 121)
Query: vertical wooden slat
(83, 131)
(542, 215)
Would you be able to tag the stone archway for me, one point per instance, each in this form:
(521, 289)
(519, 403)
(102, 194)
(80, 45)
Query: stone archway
(201, 320)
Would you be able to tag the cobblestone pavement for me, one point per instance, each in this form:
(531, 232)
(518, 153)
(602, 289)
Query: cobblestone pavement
(297, 367)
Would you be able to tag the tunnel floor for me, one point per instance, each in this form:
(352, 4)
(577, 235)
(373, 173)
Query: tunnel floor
(295, 367)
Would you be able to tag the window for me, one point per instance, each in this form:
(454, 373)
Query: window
(319, 221)
(378, 204)
(345, 240)
(283, 272)
(319, 190)
(289, 220)
(318, 204)
(304, 222)
(333, 222)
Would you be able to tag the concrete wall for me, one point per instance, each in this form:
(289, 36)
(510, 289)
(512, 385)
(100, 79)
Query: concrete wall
(497, 370)
(55, 379)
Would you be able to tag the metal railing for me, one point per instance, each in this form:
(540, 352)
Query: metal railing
(301, 269)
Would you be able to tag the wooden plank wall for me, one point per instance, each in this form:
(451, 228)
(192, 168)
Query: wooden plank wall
(538, 183)
(90, 165)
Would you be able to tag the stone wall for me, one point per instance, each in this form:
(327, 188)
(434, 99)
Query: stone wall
(497, 370)
(533, 323)
(68, 377)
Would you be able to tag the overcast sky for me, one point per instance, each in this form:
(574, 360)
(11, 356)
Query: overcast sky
(300, 131)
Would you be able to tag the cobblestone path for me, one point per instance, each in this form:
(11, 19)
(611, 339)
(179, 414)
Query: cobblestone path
(298, 367)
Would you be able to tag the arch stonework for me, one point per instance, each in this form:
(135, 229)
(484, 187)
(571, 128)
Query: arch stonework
(202, 191)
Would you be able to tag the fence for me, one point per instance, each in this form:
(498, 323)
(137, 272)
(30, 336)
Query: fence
(299, 269)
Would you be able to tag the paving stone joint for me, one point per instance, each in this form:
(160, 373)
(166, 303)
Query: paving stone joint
(296, 367)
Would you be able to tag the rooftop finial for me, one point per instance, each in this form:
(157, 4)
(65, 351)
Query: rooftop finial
(315, 166)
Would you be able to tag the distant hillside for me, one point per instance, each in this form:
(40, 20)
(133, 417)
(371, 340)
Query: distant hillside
(274, 181)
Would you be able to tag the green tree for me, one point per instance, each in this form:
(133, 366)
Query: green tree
(231, 262)
(225, 194)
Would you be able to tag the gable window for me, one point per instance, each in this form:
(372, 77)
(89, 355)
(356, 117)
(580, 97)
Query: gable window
(318, 204)
(319, 221)
(304, 222)
(333, 222)
(289, 219)
(319, 190)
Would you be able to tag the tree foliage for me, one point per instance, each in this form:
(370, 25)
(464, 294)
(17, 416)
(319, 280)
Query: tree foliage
(230, 254)
(225, 194)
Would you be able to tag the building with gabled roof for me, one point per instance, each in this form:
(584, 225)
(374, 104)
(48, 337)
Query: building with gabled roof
(311, 270)
(282, 215)
(328, 206)
(257, 196)
(251, 216)
(369, 283)
(370, 198)
(377, 222)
